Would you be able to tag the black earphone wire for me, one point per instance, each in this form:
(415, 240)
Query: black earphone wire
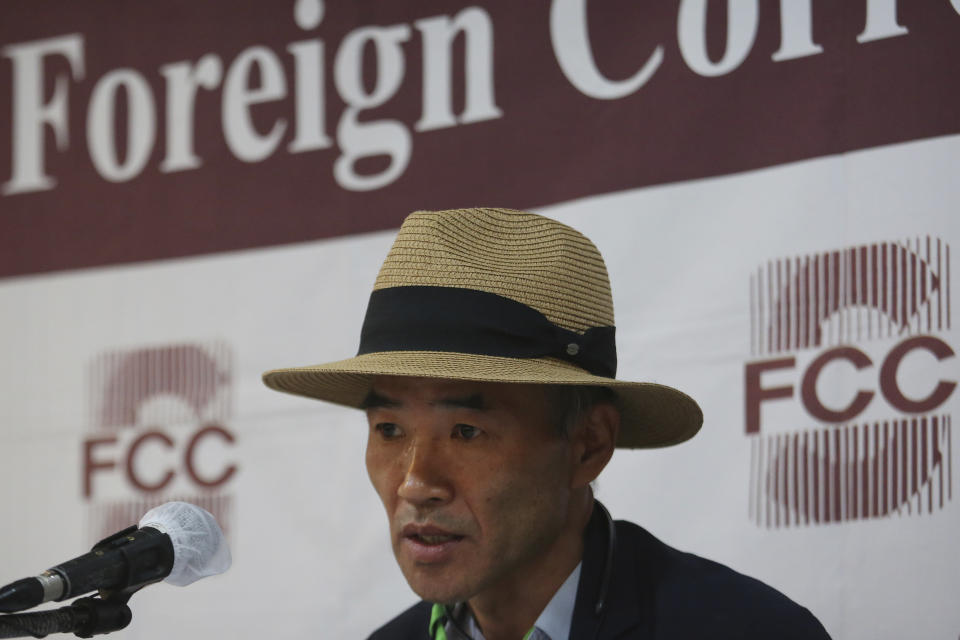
(608, 561)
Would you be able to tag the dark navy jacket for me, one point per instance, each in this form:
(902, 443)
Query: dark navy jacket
(656, 592)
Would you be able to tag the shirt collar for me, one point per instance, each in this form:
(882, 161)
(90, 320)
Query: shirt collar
(554, 620)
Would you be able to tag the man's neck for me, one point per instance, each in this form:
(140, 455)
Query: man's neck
(507, 610)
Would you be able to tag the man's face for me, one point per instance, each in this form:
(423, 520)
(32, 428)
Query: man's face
(475, 479)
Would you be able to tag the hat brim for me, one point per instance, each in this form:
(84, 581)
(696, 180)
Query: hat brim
(652, 415)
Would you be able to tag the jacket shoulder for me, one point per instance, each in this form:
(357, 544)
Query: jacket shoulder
(692, 594)
(410, 625)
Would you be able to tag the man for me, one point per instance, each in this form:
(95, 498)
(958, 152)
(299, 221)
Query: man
(487, 371)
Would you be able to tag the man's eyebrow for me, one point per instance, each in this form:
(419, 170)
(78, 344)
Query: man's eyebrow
(375, 400)
(476, 402)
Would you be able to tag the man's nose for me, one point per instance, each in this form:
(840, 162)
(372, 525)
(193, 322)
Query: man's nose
(425, 481)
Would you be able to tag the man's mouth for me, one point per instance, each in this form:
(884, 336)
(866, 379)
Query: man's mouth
(429, 543)
(433, 539)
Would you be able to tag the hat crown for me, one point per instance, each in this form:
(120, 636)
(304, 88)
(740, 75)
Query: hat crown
(500, 296)
(534, 260)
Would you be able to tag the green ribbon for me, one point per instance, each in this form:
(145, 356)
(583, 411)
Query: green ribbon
(439, 613)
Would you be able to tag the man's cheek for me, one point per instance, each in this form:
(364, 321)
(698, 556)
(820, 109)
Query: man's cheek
(379, 479)
(369, 461)
(510, 499)
(377, 466)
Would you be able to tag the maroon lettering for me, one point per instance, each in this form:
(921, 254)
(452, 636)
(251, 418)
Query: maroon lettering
(191, 449)
(132, 454)
(755, 394)
(90, 465)
(888, 375)
(808, 387)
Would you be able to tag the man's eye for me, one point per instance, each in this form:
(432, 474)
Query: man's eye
(387, 430)
(465, 432)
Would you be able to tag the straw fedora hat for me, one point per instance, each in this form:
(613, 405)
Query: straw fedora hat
(501, 296)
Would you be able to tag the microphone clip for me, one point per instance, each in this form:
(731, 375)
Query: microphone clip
(145, 557)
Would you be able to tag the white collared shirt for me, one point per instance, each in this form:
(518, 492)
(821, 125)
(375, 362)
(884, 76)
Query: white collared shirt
(553, 622)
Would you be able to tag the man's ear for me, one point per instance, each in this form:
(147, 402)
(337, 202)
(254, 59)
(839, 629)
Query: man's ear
(594, 439)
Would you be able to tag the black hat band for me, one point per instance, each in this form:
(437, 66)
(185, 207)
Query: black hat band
(451, 319)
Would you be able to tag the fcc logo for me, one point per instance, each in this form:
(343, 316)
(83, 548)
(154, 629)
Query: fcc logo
(848, 387)
(158, 431)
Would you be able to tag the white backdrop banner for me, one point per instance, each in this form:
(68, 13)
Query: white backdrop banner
(778, 219)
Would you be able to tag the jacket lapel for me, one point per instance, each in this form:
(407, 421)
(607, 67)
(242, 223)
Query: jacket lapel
(625, 601)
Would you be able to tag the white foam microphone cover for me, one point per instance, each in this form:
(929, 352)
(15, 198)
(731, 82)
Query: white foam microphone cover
(199, 547)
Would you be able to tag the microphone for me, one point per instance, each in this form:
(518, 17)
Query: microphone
(176, 542)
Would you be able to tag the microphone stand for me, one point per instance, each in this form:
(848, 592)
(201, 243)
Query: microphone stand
(93, 615)
(84, 618)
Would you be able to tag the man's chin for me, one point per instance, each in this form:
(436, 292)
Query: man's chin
(441, 596)
(435, 587)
